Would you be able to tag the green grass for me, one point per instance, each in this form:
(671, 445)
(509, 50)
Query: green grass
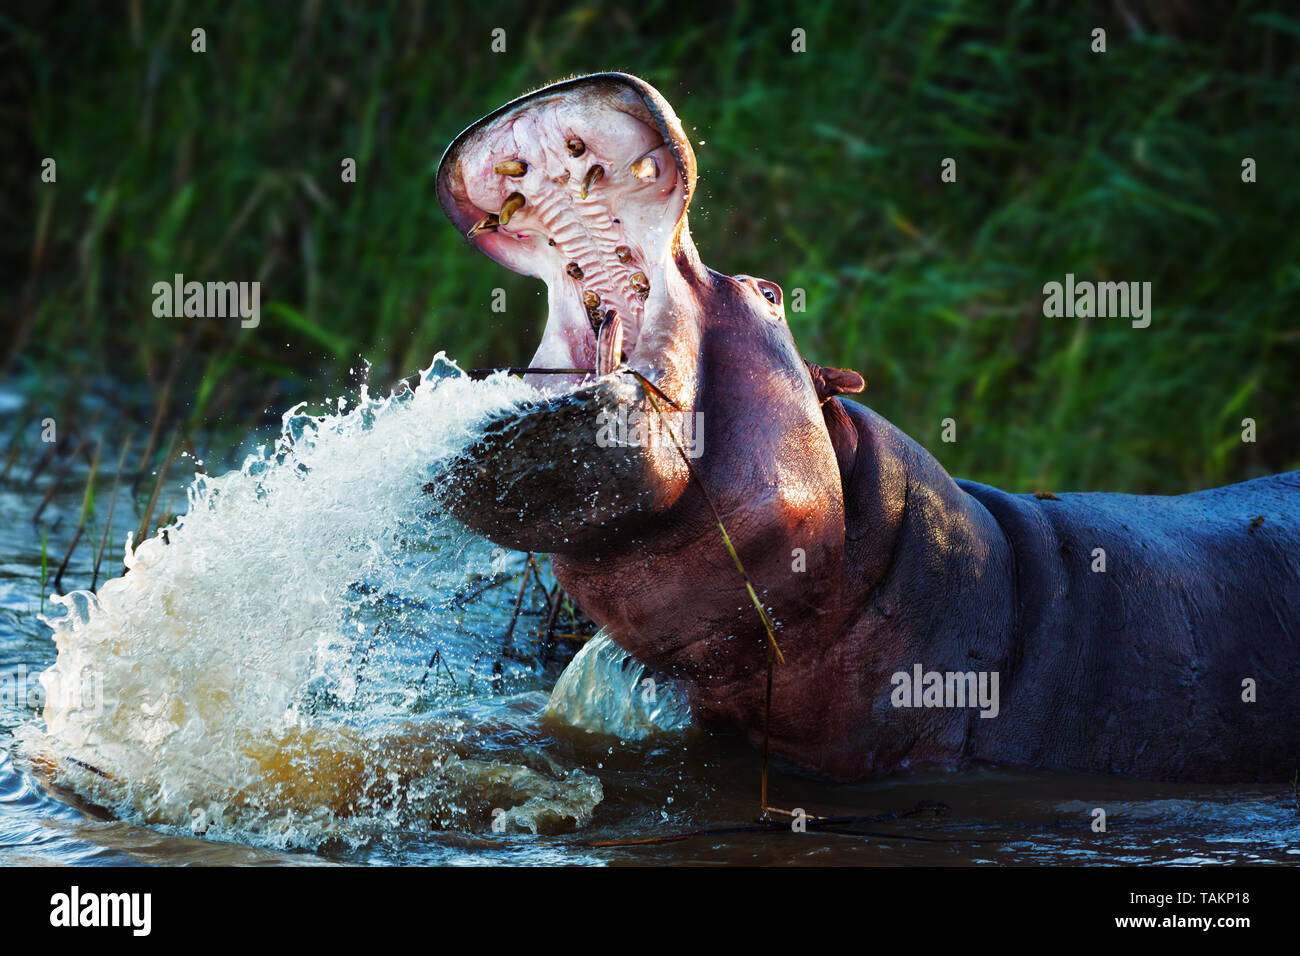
(818, 170)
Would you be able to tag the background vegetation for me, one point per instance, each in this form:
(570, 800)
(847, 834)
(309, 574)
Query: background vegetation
(819, 170)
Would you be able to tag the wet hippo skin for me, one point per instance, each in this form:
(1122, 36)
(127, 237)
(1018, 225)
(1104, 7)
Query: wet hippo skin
(1147, 635)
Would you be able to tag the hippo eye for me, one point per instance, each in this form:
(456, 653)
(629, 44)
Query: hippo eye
(771, 291)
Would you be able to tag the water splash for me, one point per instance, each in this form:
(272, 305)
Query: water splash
(605, 690)
(216, 685)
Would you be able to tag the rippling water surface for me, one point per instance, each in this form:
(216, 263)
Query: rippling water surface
(309, 668)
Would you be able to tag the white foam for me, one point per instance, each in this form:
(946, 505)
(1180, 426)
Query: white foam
(178, 692)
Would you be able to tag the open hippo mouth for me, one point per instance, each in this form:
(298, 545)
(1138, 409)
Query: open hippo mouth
(583, 184)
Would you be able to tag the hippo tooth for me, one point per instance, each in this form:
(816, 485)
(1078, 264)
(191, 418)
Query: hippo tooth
(512, 205)
(574, 270)
(624, 254)
(575, 146)
(591, 302)
(594, 175)
(609, 343)
(488, 223)
(511, 167)
(645, 168)
(639, 282)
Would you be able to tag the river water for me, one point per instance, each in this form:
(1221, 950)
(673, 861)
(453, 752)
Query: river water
(310, 668)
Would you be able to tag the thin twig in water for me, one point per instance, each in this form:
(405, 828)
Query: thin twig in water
(552, 612)
(44, 564)
(87, 507)
(51, 450)
(112, 505)
(15, 443)
(726, 538)
(507, 643)
(161, 406)
(157, 487)
(57, 483)
(370, 646)
(437, 658)
(475, 589)
(774, 649)
(524, 370)
(834, 825)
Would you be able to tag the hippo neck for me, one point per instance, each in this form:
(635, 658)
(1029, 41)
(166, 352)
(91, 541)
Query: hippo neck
(918, 573)
(898, 500)
(927, 580)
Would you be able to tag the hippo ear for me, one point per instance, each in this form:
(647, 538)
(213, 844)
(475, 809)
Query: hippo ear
(830, 382)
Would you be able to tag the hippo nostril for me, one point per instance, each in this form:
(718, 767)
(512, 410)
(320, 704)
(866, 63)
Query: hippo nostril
(575, 146)
(624, 254)
(645, 168)
(594, 175)
(513, 204)
(574, 270)
(511, 167)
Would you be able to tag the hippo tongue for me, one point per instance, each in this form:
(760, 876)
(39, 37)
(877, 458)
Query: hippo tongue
(583, 184)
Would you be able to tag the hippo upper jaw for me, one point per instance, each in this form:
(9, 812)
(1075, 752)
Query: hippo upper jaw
(585, 185)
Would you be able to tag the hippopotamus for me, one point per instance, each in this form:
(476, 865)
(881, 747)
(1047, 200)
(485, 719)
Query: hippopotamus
(920, 620)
